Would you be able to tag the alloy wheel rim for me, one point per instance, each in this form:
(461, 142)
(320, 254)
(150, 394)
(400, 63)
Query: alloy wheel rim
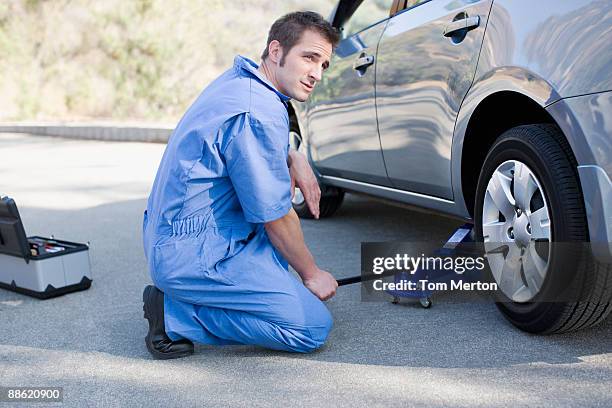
(516, 230)
(298, 197)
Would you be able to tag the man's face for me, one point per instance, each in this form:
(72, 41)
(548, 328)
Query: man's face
(303, 66)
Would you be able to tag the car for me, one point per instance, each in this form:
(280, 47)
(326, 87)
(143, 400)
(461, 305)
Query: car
(494, 111)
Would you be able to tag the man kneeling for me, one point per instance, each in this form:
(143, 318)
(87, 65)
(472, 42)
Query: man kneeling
(219, 229)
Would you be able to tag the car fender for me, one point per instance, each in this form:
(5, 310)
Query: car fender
(502, 79)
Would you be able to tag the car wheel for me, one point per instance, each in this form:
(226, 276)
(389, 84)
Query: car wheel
(530, 216)
(331, 197)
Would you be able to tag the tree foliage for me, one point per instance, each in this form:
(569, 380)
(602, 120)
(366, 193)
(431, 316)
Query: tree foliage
(124, 59)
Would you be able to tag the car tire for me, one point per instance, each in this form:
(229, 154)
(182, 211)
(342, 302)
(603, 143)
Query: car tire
(331, 197)
(331, 200)
(576, 290)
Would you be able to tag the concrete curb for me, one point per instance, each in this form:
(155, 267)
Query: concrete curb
(93, 131)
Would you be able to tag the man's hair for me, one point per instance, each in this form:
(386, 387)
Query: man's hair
(288, 30)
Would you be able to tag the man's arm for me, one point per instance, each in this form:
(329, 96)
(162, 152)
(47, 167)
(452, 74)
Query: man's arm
(303, 176)
(286, 235)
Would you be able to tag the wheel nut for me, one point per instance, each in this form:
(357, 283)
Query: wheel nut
(511, 233)
(518, 212)
(529, 228)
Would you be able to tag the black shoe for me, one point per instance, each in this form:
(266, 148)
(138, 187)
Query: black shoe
(157, 341)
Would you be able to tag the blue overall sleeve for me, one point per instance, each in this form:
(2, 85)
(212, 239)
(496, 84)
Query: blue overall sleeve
(256, 160)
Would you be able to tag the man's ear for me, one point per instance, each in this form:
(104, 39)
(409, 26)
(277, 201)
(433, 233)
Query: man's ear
(275, 51)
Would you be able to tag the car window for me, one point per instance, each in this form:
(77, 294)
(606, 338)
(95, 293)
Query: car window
(368, 13)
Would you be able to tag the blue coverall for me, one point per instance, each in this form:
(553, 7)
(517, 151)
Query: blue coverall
(223, 174)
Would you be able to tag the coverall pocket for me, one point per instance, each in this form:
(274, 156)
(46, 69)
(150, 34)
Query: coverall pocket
(218, 248)
(272, 148)
(177, 261)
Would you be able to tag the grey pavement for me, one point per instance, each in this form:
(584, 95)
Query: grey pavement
(378, 354)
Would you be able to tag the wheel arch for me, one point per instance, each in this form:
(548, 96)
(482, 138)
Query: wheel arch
(293, 119)
(485, 126)
(296, 121)
(498, 100)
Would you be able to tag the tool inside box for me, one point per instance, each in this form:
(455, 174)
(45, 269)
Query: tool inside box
(13, 240)
(41, 248)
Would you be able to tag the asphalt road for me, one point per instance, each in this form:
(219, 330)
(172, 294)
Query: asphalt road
(378, 354)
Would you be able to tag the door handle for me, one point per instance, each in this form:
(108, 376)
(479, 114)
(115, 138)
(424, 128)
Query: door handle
(363, 62)
(467, 24)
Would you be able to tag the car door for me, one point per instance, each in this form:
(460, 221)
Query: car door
(342, 125)
(426, 63)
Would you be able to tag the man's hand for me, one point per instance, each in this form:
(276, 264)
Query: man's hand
(322, 284)
(303, 177)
